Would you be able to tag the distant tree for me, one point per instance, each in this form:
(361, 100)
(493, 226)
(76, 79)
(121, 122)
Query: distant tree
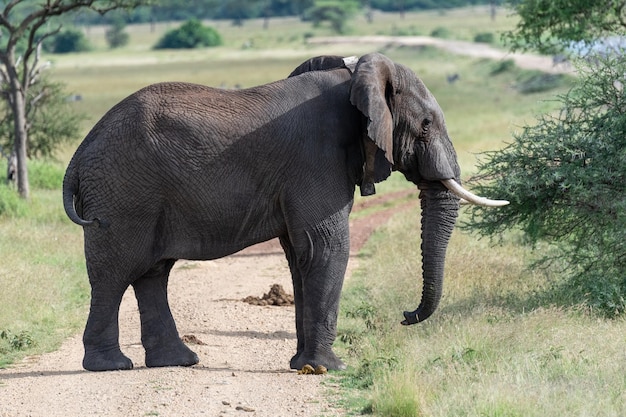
(182, 10)
(24, 25)
(288, 7)
(192, 34)
(115, 36)
(335, 12)
(406, 5)
(51, 120)
(240, 10)
(68, 40)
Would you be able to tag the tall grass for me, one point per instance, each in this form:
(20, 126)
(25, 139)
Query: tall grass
(494, 348)
(43, 279)
(43, 293)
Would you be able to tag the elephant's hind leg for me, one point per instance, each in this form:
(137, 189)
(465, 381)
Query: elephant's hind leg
(101, 337)
(159, 335)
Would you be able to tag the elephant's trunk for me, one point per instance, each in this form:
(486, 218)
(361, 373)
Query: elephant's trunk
(439, 212)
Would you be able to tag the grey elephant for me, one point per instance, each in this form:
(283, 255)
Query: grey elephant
(184, 171)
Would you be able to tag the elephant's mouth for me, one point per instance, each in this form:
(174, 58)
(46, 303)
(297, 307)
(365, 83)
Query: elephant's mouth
(469, 197)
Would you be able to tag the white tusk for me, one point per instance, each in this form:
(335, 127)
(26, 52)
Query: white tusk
(462, 193)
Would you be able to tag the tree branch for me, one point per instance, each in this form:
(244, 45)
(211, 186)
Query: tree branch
(40, 16)
(619, 10)
(34, 21)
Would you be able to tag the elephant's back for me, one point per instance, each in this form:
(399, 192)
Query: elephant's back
(160, 137)
(150, 118)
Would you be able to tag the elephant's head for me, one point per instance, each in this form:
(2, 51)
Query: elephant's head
(406, 131)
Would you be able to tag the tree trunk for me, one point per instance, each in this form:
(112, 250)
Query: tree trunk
(18, 105)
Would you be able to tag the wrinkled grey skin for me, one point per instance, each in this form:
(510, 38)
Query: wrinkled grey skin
(183, 171)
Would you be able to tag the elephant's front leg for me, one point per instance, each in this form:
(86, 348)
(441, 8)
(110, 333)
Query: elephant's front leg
(322, 257)
(159, 335)
(296, 278)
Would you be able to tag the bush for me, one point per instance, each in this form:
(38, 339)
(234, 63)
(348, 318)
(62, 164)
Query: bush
(566, 181)
(11, 205)
(540, 82)
(115, 35)
(484, 37)
(403, 31)
(506, 65)
(51, 120)
(20, 341)
(45, 175)
(337, 13)
(71, 40)
(192, 34)
(441, 32)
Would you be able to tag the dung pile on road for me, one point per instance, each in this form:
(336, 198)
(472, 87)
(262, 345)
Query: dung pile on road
(276, 297)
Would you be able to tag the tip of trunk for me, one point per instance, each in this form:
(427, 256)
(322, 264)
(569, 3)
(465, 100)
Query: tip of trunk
(417, 316)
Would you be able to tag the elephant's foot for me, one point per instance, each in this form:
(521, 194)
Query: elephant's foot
(105, 360)
(171, 354)
(327, 359)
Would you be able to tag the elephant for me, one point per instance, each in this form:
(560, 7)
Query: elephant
(185, 171)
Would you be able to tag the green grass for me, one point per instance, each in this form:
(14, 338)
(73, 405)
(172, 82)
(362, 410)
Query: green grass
(44, 293)
(44, 288)
(495, 347)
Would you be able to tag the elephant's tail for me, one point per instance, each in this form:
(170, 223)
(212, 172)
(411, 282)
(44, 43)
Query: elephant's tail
(70, 190)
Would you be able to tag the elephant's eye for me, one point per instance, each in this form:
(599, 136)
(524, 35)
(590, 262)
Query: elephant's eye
(426, 123)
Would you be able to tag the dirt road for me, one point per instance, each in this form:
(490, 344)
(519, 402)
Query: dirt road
(244, 358)
(478, 50)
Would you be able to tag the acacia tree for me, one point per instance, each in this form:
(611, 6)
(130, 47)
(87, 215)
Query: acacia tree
(565, 175)
(335, 12)
(24, 26)
(545, 25)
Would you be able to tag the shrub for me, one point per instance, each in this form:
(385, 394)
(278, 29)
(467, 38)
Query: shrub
(11, 205)
(337, 13)
(70, 40)
(441, 32)
(20, 341)
(52, 121)
(115, 35)
(503, 66)
(566, 181)
(403, 31)
(484, 37)
(192, 34)
(540, 82)
(45, 175)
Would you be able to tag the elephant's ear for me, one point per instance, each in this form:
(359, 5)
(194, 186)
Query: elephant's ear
(319, 63)
(372, 84)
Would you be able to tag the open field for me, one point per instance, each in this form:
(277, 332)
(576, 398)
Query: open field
(501, 343)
